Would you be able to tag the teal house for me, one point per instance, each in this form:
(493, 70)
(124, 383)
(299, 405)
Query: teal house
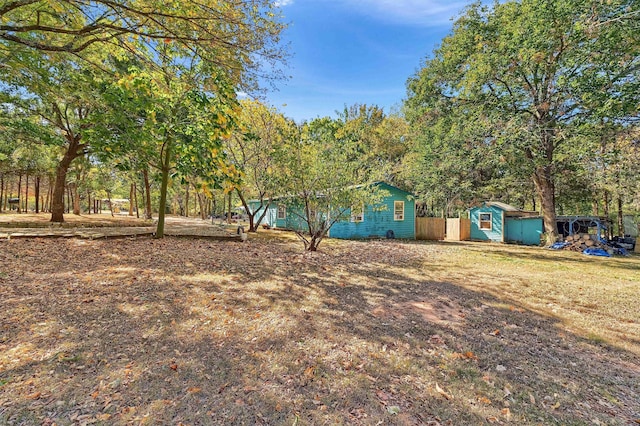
(500, 222)
(393, 217)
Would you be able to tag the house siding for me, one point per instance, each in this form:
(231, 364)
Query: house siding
(378, 219)
(524, 230)
(497, 221)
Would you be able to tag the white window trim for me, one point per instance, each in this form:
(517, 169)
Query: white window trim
(281, 208)
(480, 221)
(357, 214)
(395, 210)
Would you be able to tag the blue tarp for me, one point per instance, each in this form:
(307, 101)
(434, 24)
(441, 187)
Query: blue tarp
(558, 246)
(594, 251)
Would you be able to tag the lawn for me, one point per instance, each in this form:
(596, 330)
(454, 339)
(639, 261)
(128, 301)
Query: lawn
(196, 332)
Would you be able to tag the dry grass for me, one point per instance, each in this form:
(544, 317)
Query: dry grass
(381, 332)
(33, 220)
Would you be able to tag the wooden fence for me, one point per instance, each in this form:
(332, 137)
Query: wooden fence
(458, 229)
(430, 228)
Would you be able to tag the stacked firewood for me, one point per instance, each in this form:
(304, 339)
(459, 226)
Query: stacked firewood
(580, 242)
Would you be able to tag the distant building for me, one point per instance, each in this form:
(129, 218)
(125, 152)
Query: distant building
(500, 222)
(393, 217)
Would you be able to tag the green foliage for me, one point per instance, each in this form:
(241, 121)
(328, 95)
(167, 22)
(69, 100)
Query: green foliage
(318, 172)
(240, 37)
(510, 87)
(252, 150)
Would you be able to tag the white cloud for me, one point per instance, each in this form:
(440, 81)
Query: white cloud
(282, 3)
(423, 12)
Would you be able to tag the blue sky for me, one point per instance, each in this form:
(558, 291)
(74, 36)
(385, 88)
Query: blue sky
(356, 51)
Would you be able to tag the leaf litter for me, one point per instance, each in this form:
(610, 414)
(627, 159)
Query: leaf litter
(191, 331)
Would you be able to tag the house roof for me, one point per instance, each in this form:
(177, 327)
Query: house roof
(509, 209)
(378, 183)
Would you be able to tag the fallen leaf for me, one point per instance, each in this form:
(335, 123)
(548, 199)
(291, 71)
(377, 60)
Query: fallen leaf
(173, 366)
(442, 392)
(393, 409)
(309, 372)
(193, 390)
(507, 413)
(382, 395)
(34, 395)
(532, 399)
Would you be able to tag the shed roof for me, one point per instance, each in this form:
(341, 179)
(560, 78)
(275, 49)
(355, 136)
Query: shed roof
(503, 206)
(509, 209)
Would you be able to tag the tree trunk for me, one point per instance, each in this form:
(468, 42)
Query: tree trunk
(253, 223)
(37, 192)
(68, 204)
(110, 203)
(620, 218)
(166, 163)
(1, 190)
(229, 211)
(57, 200)
(26, 194)
(202, 201)
(75, 197)
(252, 226)
(147, 195)
(186, 201)
(131, 198)
(546, 190)
(135, 197)
(6, 194)
(19, 191)
(89, 202)
(46, 206)
(606, 212)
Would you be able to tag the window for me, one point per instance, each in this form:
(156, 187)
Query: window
(282, 211)
(357, 213)
(485, 221)
(398, 210)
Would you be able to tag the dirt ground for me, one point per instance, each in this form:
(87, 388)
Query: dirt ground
(71, 220)
(195, 332)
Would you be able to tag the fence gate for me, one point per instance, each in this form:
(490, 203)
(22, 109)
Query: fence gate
(458, 229)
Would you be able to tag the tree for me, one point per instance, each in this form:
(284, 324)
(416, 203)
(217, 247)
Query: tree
(253, 149)
(380, 139)
(321, 179)
(533, 69)
(239, 36)
(235, 42)
(53, 101)
(167, 120)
